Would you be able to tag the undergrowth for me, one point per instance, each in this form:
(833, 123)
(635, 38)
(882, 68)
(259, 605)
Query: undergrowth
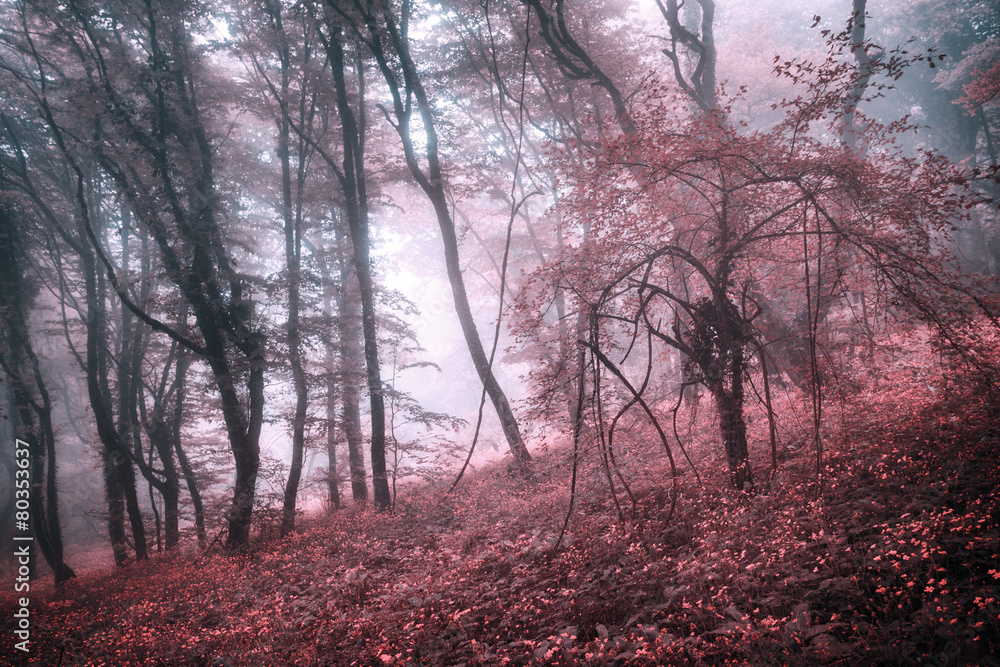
(890, 559)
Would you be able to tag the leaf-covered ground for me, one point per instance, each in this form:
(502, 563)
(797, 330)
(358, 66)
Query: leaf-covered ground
(896, 562)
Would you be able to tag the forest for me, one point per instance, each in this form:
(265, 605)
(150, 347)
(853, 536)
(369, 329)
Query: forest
(499, 332)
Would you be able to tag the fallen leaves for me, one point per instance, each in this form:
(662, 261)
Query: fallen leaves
(781, 578)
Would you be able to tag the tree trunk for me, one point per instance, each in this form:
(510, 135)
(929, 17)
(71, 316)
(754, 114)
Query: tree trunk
(127, 367)
(157, 523)
(350, 372)
(8, 429)
(332, 480)
(119, 476)
(356, 210)
(177, 421)
(21, 365)
(435, 192)
(243, 429)
(733, 428)
(462, 308)
(716, 338)
(116, 506)
(432, 183)
(169, 488)
(293, 251)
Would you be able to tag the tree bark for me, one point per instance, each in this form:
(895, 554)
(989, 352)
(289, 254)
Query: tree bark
(176, 422)
(732, 426)
(407, 83)
(350, 371)
(21, 365)
(356, 210)
(293, 250)
(119, 475)
(332, 479)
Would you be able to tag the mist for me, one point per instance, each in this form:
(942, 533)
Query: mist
(598, 293)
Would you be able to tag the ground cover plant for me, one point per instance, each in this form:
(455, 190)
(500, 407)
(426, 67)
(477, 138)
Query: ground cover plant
(893, 562)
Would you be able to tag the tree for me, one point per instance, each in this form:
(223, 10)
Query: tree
(350, 354)
(31, 399)
(350, 172)
(141, 77)
(692, 220)
(385, 35)
(353, 180)
(119, 473)
(944, 93)
(274, 34)
(46, 181)
(162, 423)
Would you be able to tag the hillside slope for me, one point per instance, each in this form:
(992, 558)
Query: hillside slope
(895, 563)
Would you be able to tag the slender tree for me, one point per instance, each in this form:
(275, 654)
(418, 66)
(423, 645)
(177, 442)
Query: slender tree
(163, 163)
(31, 400)
(384, 33)
(350, 358)
(353, 180)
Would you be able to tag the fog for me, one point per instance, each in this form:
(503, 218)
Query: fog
(164, 199)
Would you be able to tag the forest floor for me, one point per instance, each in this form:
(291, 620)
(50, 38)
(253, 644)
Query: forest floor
(894, 563)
